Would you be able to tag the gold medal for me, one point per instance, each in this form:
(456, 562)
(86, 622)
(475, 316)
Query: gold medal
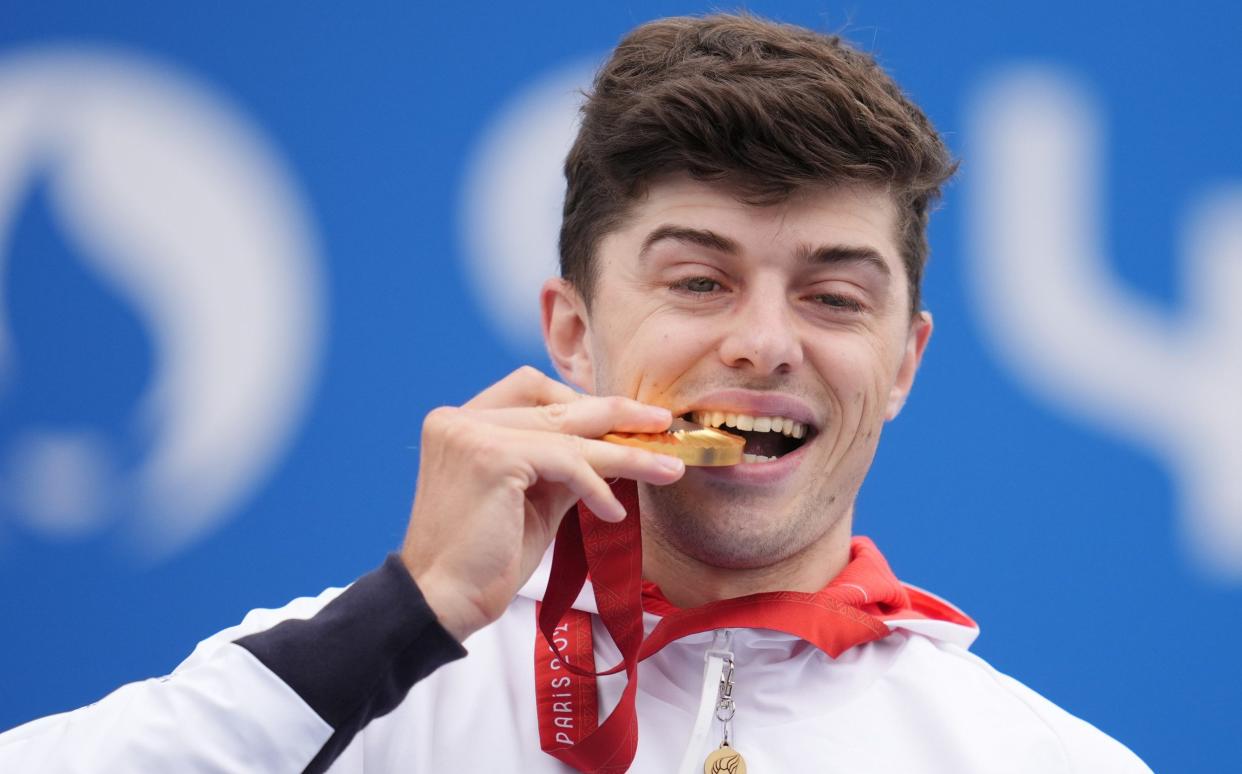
(692, 444)
(724, 760)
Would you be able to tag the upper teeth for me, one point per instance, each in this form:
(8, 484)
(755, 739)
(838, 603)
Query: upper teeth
(781, 425)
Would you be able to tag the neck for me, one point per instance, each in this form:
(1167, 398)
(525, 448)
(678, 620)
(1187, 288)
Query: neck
(689, 581)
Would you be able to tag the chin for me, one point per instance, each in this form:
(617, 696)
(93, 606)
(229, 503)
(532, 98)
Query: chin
(730, 530)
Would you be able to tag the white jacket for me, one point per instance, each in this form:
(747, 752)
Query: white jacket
(915, 701)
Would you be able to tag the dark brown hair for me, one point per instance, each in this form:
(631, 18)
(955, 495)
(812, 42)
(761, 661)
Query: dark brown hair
(762, 107)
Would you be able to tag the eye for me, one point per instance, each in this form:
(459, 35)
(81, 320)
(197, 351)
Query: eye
(697, 285)
(835, 301)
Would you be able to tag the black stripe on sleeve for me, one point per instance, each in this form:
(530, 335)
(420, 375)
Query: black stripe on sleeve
(357, 658)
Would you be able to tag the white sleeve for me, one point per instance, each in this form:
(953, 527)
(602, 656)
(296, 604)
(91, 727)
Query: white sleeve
(284, 691)
(227, 713)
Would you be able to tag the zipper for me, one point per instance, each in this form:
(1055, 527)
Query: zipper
(716, 699)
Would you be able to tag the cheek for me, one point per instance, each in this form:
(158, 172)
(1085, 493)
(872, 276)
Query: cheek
(647, 361)
(858, 371)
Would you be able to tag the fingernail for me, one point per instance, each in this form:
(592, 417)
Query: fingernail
(615, 512)
(670, 463)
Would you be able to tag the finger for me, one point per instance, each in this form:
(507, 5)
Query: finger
(526, 386)
(583, 483)
(611, 460)
(589, 417)
(583, 466)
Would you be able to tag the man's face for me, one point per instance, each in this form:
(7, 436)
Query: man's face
(791, 318)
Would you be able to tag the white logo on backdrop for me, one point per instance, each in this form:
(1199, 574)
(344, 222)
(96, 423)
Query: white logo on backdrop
(183, 208)
(1067, 327)
(511, 209)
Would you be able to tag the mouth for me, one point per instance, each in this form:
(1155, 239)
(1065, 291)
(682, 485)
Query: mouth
(768, 438)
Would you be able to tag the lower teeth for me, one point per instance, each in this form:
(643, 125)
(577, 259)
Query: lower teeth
(757, 458)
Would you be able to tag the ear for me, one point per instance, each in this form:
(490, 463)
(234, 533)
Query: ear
(916, 342)
(565, 327)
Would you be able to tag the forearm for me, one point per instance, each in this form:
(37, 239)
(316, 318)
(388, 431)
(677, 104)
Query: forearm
(357, 658)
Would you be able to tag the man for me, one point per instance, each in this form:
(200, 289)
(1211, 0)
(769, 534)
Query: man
(742, 245)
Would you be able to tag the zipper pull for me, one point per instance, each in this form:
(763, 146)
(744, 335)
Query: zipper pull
(725, 759)
(714, 660)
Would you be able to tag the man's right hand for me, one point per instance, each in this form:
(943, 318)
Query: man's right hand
(497, 475)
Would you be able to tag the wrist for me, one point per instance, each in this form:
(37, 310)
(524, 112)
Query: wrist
(453, 609)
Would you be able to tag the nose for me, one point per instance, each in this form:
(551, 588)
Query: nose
(762, 335)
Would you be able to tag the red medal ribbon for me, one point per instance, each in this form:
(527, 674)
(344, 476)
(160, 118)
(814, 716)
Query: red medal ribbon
(568, 701)
(849, 611)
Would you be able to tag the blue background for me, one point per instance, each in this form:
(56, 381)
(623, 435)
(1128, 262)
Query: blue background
(1059, 539)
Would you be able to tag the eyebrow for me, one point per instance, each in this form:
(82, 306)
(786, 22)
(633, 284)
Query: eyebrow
(847, 254)
(694, 236)
(818, 256)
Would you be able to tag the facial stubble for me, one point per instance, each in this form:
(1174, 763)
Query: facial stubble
(733, 526)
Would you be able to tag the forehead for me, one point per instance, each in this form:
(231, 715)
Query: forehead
(810, 219)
